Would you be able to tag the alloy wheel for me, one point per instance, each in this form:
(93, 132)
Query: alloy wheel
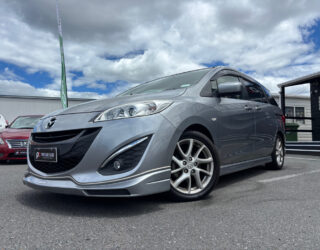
(192, 166)
(279, 152)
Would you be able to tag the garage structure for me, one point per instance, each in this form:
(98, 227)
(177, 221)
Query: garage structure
(13, 106)
(298, 106)
(314, 81)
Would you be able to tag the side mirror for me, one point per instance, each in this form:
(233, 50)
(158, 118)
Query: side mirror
(7, 126)
(229, 88)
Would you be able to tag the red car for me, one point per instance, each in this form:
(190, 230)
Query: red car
(14, 139)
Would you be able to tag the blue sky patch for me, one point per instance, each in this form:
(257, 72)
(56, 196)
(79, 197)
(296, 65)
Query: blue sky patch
(214, 64)
(76, 74)
(312, 35)
(38, 79)
(130, 54)
(315, 35)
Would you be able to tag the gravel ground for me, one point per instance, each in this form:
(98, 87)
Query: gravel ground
(252, 209)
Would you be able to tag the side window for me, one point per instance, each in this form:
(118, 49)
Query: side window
(289, 111)
(226, 80)
(255, 93)
(273, 101)
(300, 113)
(214, 86)
(270, 97)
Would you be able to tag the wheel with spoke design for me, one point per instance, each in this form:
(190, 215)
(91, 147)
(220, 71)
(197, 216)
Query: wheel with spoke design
(277, 155)
(194, 167)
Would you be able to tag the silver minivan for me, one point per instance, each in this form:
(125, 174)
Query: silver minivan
(176, 134)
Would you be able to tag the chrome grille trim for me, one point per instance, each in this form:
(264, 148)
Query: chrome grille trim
(17, 143)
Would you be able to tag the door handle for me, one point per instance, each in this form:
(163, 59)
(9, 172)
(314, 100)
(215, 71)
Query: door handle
(257, 108)
(246, 107)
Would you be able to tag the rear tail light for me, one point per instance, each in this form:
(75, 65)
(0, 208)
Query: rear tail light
(283, 118)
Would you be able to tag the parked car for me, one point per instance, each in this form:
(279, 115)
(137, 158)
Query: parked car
(178, 134)
(14, 138)
(3, 123)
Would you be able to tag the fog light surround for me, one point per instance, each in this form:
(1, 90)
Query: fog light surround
(126, 158)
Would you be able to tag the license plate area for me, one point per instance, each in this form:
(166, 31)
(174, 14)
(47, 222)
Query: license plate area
(46, 154)
(20, 153)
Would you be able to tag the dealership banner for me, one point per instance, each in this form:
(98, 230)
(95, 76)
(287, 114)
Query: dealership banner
(63, 89)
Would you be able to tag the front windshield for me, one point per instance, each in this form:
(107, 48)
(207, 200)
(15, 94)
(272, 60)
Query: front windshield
(25, 122)
(178, 81)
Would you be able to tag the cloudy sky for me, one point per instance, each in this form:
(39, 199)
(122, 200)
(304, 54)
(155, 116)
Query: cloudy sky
(113, 45)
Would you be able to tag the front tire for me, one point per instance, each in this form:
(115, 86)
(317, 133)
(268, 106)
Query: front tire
(277, 155)
(195, 167)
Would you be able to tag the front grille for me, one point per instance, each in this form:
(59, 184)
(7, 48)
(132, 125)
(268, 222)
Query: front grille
(13, 155)
(70, 151)
(55, 136)
(17, 143)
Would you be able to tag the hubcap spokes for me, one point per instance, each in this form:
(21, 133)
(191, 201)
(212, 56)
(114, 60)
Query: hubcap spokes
(191, 167)
(279, 152)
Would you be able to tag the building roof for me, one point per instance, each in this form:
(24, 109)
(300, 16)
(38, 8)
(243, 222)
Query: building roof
(293, 96)
(300, 80)
(45, 98)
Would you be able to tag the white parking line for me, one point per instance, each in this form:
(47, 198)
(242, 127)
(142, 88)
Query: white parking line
(288, 176)
(301, 158)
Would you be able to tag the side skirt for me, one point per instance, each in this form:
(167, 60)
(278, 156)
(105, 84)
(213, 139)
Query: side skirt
(235, 167)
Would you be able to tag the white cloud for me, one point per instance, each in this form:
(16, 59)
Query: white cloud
(11, 87)
(263, 37)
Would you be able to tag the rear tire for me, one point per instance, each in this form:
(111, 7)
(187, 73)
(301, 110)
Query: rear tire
(277, 155)
(195, 167)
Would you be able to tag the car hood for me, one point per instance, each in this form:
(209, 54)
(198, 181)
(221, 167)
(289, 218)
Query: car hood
(11, 133)
(102, 105)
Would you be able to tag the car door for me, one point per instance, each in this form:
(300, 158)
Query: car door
(265, 123)
(235, 123)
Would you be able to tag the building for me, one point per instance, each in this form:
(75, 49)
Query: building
(298, 106)
(13, 106)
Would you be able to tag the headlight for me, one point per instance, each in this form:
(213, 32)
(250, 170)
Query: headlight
(133, 110)
(1, 141)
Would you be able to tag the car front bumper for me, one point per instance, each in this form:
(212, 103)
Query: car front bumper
(150, 175)
(12, 153)
(151, 182)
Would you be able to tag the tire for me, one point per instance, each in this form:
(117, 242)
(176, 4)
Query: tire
(277, 155)
(195, 167)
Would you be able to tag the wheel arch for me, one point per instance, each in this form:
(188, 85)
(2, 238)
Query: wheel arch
(282, 136)
(191, 123)
(200, 124)
(200, 128)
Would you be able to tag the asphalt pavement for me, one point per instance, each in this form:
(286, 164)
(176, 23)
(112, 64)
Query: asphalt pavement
(252, 209)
